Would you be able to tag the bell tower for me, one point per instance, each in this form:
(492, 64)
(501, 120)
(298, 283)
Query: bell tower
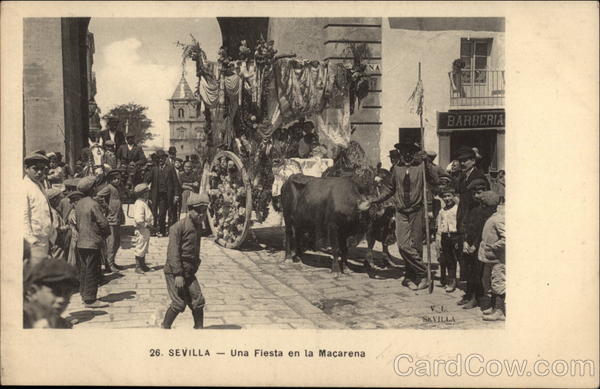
(185, 122)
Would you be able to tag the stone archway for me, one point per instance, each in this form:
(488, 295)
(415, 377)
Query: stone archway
(233, 30)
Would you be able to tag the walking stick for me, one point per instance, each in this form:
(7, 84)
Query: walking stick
(426, 210)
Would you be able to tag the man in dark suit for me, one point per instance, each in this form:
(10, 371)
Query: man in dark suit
(112, 132)
(469, 172)
(467, 158)
(130, 152)
(165, 192)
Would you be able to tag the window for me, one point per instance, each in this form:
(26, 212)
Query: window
(180, 113)
(475, 54)
(181, 133)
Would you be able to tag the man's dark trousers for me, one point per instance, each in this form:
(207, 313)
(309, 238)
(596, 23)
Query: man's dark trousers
(409, 236)
(89, 261)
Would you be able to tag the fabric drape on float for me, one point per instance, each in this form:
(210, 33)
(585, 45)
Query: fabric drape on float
(316, 91)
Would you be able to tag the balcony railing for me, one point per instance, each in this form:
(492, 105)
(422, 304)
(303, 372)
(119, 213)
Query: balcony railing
(476, 88)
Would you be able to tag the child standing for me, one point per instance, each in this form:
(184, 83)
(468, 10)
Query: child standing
(492, 254)
(448, 239)
(143, 219)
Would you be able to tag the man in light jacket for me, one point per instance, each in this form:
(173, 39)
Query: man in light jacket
(39, 230)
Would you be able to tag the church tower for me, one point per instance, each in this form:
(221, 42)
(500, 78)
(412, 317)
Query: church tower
(186, 121)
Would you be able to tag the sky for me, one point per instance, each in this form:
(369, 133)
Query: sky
(137, 60)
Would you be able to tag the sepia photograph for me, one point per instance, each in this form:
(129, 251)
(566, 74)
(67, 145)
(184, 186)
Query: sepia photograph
(321, 187)
(241, 168)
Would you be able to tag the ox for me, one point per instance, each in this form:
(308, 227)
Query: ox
(327, 211)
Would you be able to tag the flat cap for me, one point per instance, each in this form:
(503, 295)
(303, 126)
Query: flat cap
(477, 183)
(86, 184)
(403, 145)
(114, 172)
(431, 154)
(52, 193)
(140, 189)
(34, 158)
(51, 155)
(71, 182)
(74, 194)
(490, 198)
(160, 153)
(447, 189)
(197, 199)
(109, 143)
(52, 271)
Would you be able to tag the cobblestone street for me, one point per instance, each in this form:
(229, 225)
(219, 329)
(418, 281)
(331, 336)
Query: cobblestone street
(254, 288)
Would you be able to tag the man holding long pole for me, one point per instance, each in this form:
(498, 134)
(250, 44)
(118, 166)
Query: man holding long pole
(408, 185)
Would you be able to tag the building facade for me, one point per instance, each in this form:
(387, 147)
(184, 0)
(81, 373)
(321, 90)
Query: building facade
(186, 121)
(55, 85)
(462, 70)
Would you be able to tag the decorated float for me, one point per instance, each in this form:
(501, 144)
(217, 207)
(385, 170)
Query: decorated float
(268, 115)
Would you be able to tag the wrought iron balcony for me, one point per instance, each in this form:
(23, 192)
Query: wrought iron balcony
(476, 88)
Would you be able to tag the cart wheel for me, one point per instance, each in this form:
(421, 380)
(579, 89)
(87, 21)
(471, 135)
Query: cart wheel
(230, 193)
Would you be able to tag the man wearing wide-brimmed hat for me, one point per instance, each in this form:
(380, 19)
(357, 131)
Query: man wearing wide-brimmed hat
(467, 158)
(112, 132)
(183, 261)
(165, 192)
(406, 185)
(129, 152)
(39, 228)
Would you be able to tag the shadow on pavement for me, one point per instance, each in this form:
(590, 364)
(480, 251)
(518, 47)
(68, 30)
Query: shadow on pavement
(83, 316)
(267, 238)
(223, 327)
(114, 297)
(110, 277)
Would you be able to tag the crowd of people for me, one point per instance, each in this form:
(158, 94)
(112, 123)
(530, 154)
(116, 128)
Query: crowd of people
(73, 223)
(467, 215)
(73, 218)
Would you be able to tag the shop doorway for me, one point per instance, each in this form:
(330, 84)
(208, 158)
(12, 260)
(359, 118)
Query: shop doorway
(484, 140)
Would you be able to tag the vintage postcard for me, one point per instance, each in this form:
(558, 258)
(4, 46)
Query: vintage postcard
(300, 193)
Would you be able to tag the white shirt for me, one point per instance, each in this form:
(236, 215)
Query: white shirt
(37, 218)
(142, 215)
(446, 220)
(112, 135)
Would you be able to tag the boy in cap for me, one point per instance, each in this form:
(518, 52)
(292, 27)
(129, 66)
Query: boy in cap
(474, 222)
(183, 260)
(492, 254)
(144, 220)
(447, 239)
(115, 216)
(48, 287)
(93, 229)
(61, 240)
(37, 214)
(109, 158)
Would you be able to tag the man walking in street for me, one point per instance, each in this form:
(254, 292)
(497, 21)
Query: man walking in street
(183, 260)
(39, 230)
(93, 228)
(115, 217)
(165, 192)
(406, 184)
